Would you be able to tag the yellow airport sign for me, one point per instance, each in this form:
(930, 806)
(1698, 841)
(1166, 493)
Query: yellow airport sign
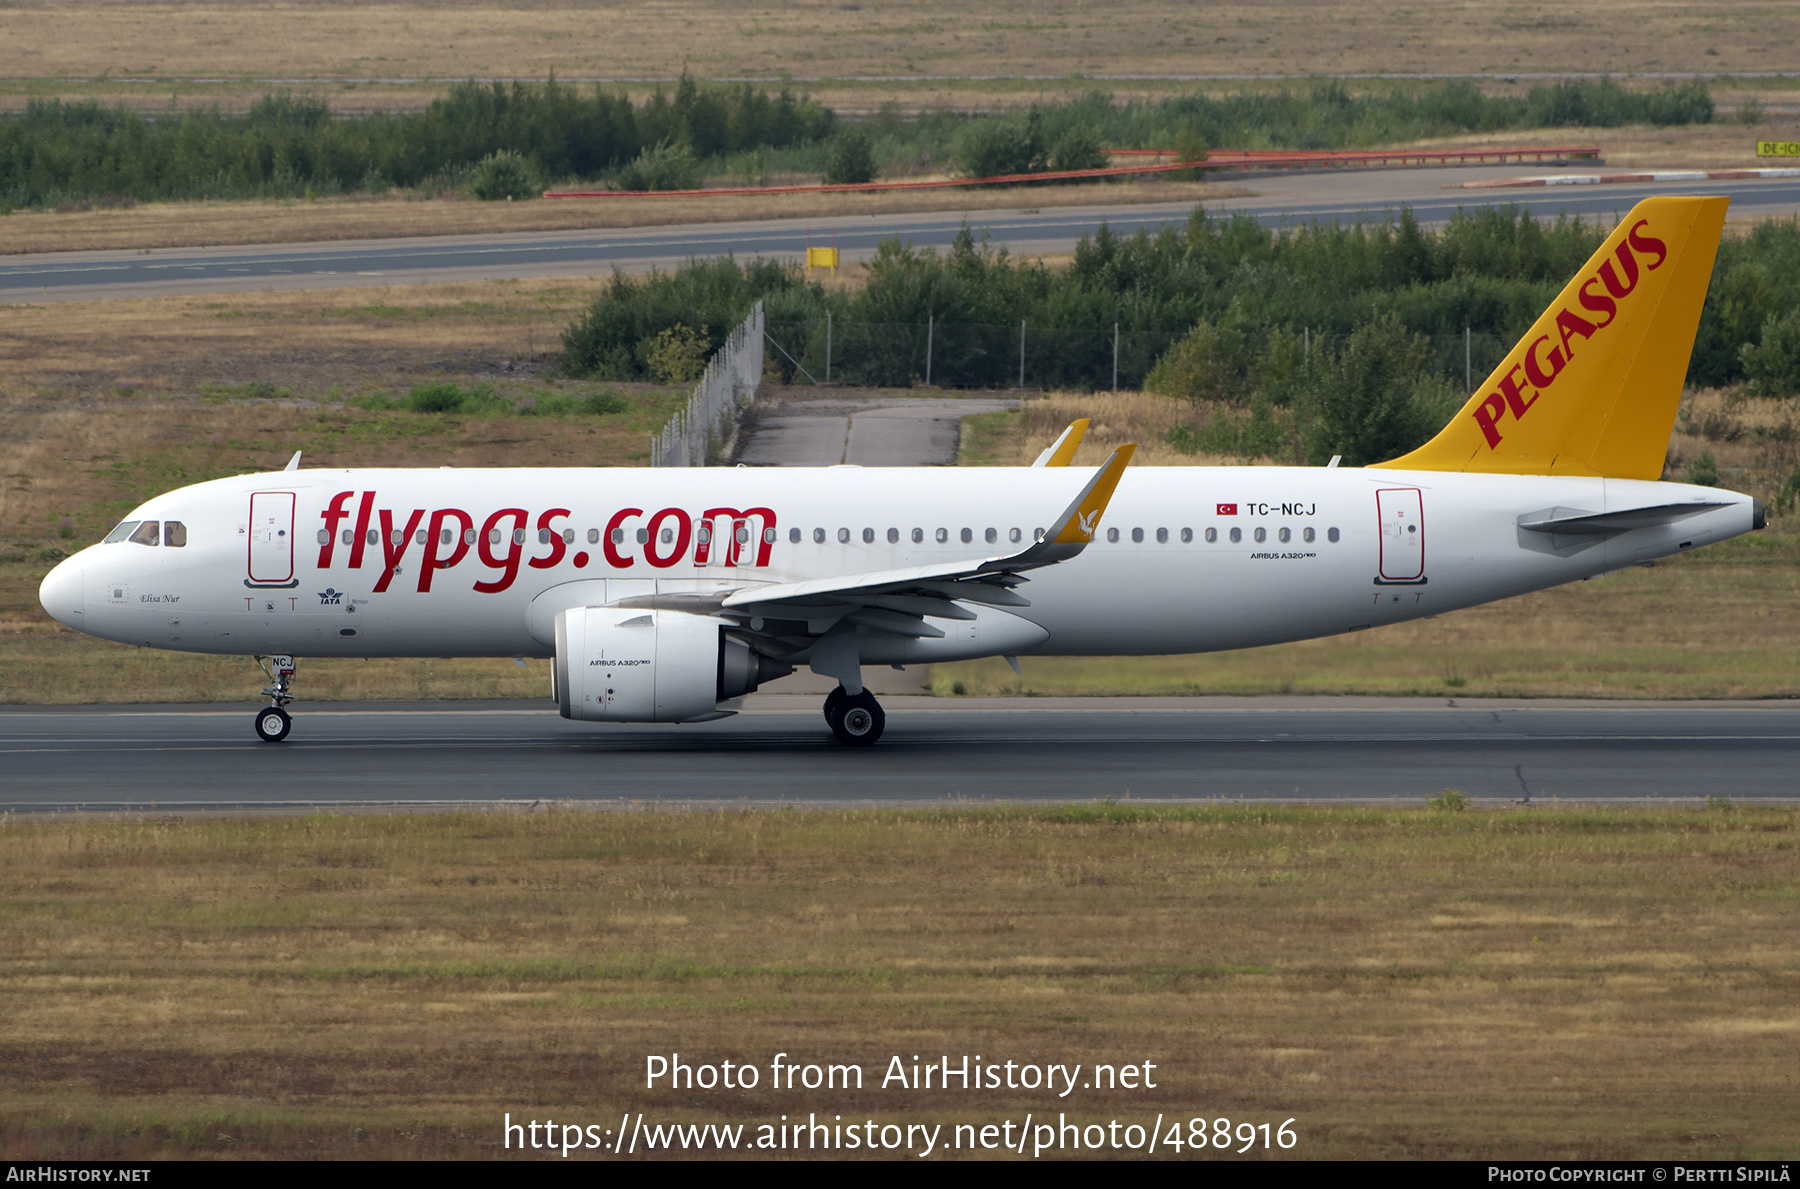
(821, 258)
(1778, 148)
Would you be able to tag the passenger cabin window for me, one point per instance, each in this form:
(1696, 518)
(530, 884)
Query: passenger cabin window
(120, 532)
(146, 533)
(174, 534)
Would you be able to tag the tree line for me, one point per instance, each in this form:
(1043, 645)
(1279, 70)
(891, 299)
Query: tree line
(507, 140)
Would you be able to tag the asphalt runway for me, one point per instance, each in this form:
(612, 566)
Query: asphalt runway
(1337, 197)
(935, 752)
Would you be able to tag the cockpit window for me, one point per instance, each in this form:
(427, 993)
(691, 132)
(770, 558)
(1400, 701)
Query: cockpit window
(120, 533)
(174, 533)
(145, 534)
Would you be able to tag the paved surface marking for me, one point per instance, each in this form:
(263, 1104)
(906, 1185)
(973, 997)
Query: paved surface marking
(935, 751)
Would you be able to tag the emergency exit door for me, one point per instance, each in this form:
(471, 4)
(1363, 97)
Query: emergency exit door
(272, 538)
(1402, 514)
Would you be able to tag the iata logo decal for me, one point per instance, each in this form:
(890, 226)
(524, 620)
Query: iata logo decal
(330, 597)
(1546, 356)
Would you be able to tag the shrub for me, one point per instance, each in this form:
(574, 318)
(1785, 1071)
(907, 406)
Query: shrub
(1190, 146)
(677, 355)
(501, 175)
(662, 166)
(1773, 364)
(1703, 471)
(999, 147)
(435, 398)
(1079, 148)
(1790, 493)
(1208, 364)
(852, 160)
(1450, 801)
(1376, 398)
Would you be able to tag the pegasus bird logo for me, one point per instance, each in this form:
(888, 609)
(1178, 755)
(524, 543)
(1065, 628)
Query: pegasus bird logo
(1087, 520)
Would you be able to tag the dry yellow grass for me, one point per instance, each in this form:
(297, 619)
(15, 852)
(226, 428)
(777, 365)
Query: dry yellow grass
(217, 224)
(70, 40)
(1532, 984)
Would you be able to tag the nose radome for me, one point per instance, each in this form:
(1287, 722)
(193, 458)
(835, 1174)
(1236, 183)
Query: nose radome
(62, 593)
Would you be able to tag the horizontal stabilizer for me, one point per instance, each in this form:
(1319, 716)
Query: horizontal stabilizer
(1575, 522)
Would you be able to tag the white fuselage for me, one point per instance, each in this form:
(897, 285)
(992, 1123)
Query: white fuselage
(448, 562)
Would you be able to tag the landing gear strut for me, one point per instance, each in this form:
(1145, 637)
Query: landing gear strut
(274, 722)
(856, 719)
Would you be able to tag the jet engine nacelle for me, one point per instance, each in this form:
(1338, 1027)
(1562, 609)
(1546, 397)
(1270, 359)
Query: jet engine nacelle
(620, 664)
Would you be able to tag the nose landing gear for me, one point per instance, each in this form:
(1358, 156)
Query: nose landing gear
(274, 722)
(856, 719)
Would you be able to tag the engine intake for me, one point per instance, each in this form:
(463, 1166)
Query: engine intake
(620, 664)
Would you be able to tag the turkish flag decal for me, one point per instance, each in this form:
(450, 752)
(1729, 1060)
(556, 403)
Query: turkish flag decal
(1227, 510)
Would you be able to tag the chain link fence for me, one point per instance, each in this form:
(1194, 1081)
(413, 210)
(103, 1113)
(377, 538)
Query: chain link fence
(696, 435)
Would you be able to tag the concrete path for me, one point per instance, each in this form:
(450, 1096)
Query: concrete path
(831, 427)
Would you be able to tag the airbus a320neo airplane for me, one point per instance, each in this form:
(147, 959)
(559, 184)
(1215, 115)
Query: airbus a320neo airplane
(667, 595)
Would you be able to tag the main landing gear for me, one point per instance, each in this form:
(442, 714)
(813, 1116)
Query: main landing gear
(856, 719)
(274, 722)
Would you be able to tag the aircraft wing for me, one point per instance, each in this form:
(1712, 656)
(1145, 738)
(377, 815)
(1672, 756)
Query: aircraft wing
(898, 600)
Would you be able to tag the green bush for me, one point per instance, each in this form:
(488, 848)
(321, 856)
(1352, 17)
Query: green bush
(662, 166)
(1375, 398)
(1703, 471)
(612, 339)
(1001, 147)
(1773, 364)
(1208, 364)
(1079, 148)
(435, 398)
(501, 175)
(677, 355)
(1450, 801)
(852, 160)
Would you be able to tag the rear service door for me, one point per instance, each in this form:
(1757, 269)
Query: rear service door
(272, 538)
(1402, 514)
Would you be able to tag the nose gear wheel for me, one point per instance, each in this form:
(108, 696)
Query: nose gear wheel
(273, 724)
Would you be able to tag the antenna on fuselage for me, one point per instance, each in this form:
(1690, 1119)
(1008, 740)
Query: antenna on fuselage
(293, 463)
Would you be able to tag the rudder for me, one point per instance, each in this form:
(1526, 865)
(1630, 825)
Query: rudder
(1592, 388)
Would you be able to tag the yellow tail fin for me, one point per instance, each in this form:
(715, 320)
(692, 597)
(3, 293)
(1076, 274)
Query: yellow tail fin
(1592, 389)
